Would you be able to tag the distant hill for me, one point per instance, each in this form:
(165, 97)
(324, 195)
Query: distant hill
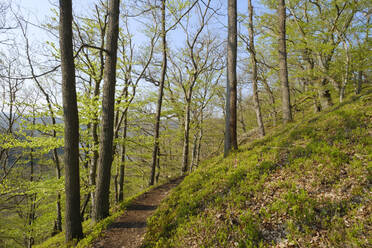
(19, 119)
(307, 184)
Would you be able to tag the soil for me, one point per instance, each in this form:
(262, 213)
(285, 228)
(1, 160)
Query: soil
(129, 229)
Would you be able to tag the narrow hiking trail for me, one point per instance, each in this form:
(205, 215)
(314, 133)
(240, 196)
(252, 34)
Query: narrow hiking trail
(128, 230)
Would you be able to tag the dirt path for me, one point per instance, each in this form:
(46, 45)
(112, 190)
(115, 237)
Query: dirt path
(128, 230)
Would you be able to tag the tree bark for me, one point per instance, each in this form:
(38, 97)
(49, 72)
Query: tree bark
(158, 167)
(359, 83)
(186, 136)
(241, 111)
(324, 93)
(283, 69)
(94, 160)
(122, 162)
(272, 100)
(73, 229)
(32, 198)
(197, 144)
(231, 141)
(347, 70)
(252, 51)
(160, 95)
(102, 204)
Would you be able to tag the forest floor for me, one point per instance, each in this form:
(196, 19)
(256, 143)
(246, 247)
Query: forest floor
(128, 230)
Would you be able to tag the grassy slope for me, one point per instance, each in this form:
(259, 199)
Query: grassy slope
(305, 185)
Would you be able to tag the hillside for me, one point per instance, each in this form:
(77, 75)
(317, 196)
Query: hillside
(304, 185)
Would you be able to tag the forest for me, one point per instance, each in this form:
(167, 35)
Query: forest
(262, 107)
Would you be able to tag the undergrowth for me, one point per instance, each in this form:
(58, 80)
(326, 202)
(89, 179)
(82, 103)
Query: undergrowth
(308, 184)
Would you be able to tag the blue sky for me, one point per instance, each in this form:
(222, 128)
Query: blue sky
(37, 11)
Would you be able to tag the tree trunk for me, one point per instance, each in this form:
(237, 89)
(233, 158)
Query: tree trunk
(252, 51)
(283, 70)
(197, 144)
(32, 198)
(272, 100)
(73, 229)
(346, 76)
(194, 151)
(231, 141)
(58, 222)
(158, 167)
(200, 137)
(317, 106)
(160, 95)
(85, 205)
(359, 83)
(186, 136)
(324, 94)
(102, 204)
(122, 162)
(240, 107)
(94, 160)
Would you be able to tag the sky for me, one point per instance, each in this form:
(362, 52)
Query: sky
(39, 11)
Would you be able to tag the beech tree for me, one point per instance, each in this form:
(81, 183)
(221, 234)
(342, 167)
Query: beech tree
(252, 52)
(161, 82)
(90, 67)
(231, 140)
(101, 208)
(283, 69)
(160, 94)
(73, 229)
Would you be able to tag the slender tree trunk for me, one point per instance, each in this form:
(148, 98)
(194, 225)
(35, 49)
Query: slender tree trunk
(186, 136)
(231, 141)
(272, 100)
(94, 160)
(283, 70)
(73, 229)
(346, 76)
(102, 204)
(116, 183)
(122, 162)
(200, 137)
(85, 205)
(359, 83)
(342, 91)
(57, 228)
(31, 215)
(160, 95)
(197, 143)
(240, 106)
(194, 151)
(158, 167)
(58, 222)
(252, 51)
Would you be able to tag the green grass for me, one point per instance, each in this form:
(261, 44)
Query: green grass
(306, 184)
